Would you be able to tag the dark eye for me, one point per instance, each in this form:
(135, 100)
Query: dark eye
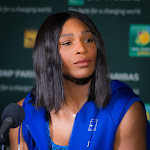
(89, 40)
(66, 43)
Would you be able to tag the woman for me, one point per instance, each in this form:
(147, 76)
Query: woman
(74, 106)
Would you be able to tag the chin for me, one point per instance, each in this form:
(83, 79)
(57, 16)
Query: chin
(83, 75)
(78, 79)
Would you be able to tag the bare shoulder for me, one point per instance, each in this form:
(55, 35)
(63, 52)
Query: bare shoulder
(13, 136)
(21, 102)
(131, 133)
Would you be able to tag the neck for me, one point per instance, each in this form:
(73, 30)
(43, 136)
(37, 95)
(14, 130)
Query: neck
(76, 92)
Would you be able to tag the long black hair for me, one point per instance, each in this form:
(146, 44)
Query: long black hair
(47, 64)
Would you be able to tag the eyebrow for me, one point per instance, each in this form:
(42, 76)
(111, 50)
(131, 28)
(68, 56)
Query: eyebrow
(68, 34)
(85, 31)
(71, 34)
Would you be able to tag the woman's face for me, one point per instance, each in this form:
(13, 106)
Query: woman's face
(77, 49)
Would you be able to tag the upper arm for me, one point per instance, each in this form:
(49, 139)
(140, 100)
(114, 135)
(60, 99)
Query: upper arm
(13, 136)
(131, 133)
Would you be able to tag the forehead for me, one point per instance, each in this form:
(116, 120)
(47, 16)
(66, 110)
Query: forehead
(74, 24)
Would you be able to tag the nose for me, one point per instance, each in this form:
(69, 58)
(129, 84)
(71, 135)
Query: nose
(80, 48)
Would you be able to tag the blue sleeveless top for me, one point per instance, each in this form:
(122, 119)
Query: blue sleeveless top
(52, 145)
(93, 128)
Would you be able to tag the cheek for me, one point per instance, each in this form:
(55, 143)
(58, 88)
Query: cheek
(93, 53)
(66, 62)
(64, 57)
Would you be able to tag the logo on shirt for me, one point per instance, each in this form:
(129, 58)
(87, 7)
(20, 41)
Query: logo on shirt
(93, 125)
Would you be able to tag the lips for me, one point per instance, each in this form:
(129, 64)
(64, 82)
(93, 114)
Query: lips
(83, 62)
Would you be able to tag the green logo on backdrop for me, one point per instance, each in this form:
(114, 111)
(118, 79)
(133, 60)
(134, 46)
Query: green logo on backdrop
(147, 107)
(76, 2)
(139, 41)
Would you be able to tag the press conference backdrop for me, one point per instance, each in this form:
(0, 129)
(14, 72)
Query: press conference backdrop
(124, 25)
